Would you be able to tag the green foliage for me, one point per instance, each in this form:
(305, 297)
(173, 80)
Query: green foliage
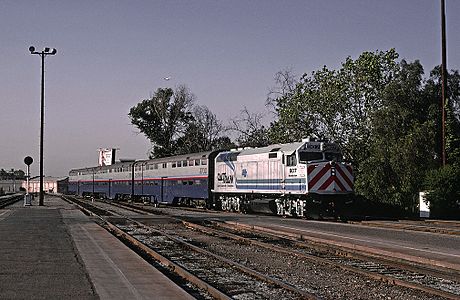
(337, 104)
(202, 132)
(384, 115)
(401, 142)
(443, 186)
(382, 112)
(12, 175)
(174, 125)
(432, 91)
(453, 118)
(251, 132)
(163, 118)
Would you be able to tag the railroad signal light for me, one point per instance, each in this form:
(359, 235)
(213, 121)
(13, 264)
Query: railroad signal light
(28, 160)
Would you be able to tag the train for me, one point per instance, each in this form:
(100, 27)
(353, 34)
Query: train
(294, 179)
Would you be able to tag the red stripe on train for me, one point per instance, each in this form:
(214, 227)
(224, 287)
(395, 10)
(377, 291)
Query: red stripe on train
(345, 177)
(318, 176)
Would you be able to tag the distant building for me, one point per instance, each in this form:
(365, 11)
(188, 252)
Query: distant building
(50, 184)
(63, 185)
(10, 186)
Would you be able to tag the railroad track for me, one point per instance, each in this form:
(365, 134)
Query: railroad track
(10, 199)
(431, 226)
(221, 277)
(391, 273)
(428, 280)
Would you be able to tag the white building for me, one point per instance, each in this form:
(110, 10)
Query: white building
(50, 185)
(10, 186)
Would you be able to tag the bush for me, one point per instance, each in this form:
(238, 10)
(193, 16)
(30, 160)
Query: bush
(443, 186)
(371, 209)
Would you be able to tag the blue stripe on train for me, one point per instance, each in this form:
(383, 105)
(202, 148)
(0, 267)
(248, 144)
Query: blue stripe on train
(297, 187)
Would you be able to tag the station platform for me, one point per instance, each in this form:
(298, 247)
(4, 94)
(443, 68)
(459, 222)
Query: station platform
(56, 252)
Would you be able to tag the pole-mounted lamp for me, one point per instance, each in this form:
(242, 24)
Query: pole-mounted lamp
(45, 52)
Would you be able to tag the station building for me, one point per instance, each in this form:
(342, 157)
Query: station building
(50, 185)
(10, 186)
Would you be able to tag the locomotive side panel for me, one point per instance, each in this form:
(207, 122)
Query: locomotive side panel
(282, 178)
(224, 174)
(250, 173)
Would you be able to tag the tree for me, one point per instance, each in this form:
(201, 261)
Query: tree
(401, 143)
(12, 174)
(285, 85)
(432, 92)
(19, 174)
(385, 116)
(250, 129)
(164, 118)
(443, 186)
(337, 105)
(202, 133)
(174, 125)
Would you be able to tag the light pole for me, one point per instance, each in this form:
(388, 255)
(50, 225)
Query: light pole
(444, 82)
(43, 54)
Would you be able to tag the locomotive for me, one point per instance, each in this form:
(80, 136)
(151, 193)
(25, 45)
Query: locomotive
(295, 179)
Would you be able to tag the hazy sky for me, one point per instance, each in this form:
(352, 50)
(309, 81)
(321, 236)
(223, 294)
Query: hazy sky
(113, 54)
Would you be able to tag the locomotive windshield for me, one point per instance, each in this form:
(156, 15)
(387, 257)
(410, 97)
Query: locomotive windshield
(332, 156)
(305, 156)
(309, 156)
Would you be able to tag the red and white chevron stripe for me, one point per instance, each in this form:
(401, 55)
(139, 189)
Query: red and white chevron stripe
(329, 178)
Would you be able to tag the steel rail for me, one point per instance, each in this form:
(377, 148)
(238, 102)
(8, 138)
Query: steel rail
(175, 268)
(231, 263)
(383, 278)
(185, 274)
(170, 264)
(8, 200)
(410, 227)
(208, 230)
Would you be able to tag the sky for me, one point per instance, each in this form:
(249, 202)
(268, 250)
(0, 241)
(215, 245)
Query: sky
(113, 54)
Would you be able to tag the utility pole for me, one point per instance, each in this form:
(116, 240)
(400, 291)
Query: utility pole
(444, 79)
(45, 52)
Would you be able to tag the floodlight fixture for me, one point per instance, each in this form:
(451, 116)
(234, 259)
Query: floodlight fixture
(46, 51)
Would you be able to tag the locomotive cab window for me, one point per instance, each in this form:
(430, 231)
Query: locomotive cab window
(291, 160)
(309, 156)
(333, 156)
